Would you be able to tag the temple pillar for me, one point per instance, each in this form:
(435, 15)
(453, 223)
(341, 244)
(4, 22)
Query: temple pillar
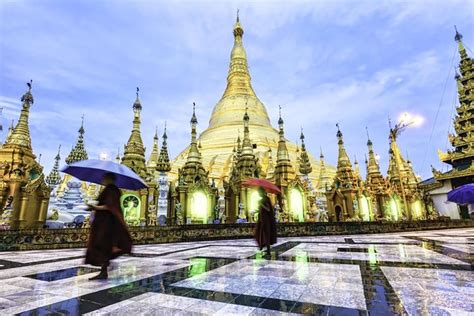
(42, 213)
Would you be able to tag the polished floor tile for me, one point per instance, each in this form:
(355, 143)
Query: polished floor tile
(414, 273)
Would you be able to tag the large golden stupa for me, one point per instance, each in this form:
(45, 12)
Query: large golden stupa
(219, 139)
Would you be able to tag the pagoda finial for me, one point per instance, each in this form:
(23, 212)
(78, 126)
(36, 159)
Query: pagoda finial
(137, 107)
(461, 48)
(81, 129)
(457, 37)
(194, 118)
(280, 119)
(237, 15)
(369, 142)
(59, 151)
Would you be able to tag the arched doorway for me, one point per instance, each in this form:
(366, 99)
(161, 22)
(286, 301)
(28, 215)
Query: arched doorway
(338, 210)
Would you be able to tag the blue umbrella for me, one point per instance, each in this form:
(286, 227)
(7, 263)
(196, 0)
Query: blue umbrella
(462, 195)
(93, 170)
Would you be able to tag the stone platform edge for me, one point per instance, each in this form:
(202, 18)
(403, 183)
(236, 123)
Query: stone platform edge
(11, 240)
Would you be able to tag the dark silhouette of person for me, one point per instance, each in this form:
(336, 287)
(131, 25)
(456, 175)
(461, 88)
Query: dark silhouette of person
(265, 229)
(109, 236)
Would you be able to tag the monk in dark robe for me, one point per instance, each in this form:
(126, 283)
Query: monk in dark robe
(109, 236)
(265, 229)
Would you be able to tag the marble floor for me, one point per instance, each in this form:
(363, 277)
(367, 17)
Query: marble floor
(409, 273)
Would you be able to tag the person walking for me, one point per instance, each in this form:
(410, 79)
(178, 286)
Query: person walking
(109, 236)
(265, 229)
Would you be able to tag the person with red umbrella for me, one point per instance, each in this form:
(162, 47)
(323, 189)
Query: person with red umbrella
(265, 229)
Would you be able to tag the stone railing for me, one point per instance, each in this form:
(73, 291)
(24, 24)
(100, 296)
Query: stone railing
(74, 237)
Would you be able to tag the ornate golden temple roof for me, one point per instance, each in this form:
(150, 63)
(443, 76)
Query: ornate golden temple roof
(461, 157)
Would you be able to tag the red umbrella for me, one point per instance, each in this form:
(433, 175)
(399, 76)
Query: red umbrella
(267, 185)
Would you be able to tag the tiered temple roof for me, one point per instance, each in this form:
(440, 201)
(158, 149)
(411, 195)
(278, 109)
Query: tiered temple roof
(78, 152)
(163, 163)
(54, 178)
(193, 171)
(345, 175)
(461, 157)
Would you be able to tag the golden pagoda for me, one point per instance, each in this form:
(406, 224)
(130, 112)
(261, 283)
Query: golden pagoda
(78, 153)
(196, 197)
(137, 205)
(342, 196)
(461, 157)
(376, 187)
(218, 140)
(23, 190)
(406, 201)
(242, 202)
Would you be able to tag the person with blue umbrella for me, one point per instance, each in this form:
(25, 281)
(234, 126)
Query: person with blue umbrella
(463, 195)
(109, 236)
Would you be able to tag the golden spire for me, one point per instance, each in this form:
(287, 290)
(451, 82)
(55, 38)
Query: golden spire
(193, 154)
(305, 164)
(283, 168)
(20, 135)
(343, 161)
(153, 160)
(78, 152)
(372, 164)
(54, 178)
(193, 171)
(344, 171)
(134, 151)
(238, 79)
(164, 159)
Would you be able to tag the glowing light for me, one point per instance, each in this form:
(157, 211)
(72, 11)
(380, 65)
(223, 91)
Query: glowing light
(296, 202)
(254, 200)
(103, 156)
(394, 208)
(198, 266)
(377, 157)
(372, 255)
(412, 120)
(199, 205)
(364, 208)
(417, 209)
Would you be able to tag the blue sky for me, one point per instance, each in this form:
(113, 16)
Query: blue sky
(352, 62)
